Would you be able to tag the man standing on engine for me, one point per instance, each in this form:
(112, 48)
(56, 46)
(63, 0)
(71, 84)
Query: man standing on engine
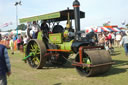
(35, 28)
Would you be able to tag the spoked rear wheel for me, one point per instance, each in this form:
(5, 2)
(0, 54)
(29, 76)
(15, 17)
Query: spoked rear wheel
(36, 49)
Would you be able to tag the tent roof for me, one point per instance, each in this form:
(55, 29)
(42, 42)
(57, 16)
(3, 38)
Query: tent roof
(102, 29)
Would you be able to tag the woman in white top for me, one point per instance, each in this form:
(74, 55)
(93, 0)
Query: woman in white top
(25, 40)
(118, 39)
(11, 45)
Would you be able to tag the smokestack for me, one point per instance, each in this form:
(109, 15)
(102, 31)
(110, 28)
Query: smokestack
(76, 6)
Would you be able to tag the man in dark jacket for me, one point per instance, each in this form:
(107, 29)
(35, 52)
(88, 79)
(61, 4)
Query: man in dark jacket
(45, 28)
(5, 67)
(92, 38)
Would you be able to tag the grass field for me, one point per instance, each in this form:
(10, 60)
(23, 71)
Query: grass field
(22, 74)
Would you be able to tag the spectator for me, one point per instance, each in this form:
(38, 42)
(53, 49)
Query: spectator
(14, 37)
(106, 42)
(22, 42)
(113, 38)
(5, 67)
(11, 45)
(15, 41)
(25, 39)
(118, 39)
(124, 42)
(101, 39)
(110, 39)
(18, 42)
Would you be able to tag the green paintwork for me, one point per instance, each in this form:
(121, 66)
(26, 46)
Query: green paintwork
(34, 52)
(66, 33)
(39, 37)
(35, 59)
(86, 60)
(28, 56)
(66, 45)
(41, 17)
(25, 48)
(55, 38)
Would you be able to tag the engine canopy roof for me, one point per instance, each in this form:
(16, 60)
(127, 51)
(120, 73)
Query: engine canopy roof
(53, 17)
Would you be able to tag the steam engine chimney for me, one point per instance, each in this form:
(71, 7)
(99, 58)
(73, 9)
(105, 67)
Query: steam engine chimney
(76, 6)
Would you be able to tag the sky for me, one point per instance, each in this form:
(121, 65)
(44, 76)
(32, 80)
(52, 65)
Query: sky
(97, 12)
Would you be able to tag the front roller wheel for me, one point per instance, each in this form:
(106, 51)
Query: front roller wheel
(99, 59)
(37, 49)
(83, 70)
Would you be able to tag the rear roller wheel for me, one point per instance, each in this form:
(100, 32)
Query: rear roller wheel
(36, 49)
(94, 57)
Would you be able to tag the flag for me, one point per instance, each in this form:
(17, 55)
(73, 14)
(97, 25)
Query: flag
(5, 24)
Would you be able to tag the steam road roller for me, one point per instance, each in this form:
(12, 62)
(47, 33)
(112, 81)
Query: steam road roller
(54, 43)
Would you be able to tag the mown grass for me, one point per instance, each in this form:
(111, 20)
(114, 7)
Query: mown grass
(22, 74)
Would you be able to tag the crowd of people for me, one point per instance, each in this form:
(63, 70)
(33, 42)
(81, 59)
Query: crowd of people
(113, 39)
(107, 39)
(20, 40)
(110, 38)
(15, 41)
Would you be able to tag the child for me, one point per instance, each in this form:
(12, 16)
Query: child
(11, 44)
